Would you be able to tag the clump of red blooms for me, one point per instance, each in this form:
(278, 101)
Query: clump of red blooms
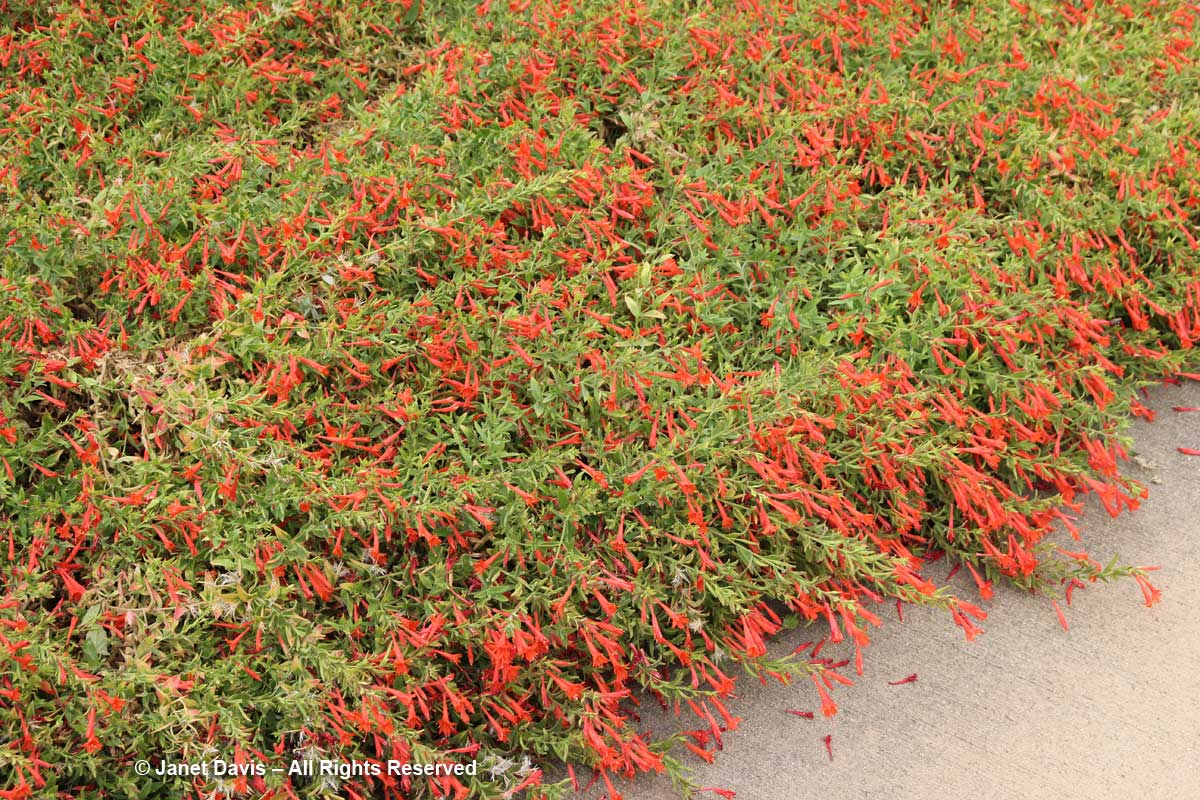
(442, 382)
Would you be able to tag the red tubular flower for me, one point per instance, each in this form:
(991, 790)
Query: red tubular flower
(1150, 593)
(828, 707)
(92, 744)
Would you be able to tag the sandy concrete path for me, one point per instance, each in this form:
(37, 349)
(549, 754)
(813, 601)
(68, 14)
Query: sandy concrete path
(1110, 709)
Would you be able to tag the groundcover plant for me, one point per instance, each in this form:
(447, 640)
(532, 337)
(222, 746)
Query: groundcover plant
(435, 382)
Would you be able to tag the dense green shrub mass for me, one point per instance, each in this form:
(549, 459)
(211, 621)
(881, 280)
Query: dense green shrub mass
(431, 382)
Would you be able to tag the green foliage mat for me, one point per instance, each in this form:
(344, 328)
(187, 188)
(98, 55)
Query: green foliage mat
(435, 382)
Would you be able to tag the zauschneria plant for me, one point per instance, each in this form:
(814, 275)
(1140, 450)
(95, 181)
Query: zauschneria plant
(432, 381)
